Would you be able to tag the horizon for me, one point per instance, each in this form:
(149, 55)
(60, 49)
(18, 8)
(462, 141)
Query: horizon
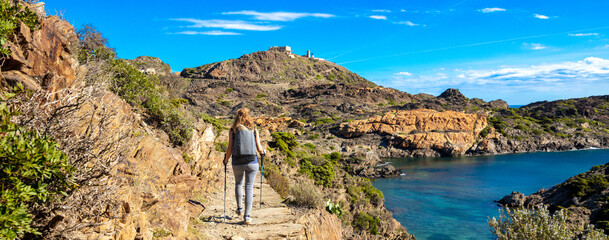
(520, 51)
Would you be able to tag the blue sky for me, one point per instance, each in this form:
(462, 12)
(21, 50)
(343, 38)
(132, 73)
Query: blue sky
(519, 51)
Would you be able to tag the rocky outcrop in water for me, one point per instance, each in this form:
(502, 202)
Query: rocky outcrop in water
(585, 197)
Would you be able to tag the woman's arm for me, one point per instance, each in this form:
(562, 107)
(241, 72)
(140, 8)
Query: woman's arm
(258, 145)
(229, 148)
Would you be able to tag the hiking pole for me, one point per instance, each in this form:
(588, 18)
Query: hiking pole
(261, 174)
(224, 217)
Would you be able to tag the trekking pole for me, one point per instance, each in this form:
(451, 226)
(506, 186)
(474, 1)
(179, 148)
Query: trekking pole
(261, 175)
(224, 217)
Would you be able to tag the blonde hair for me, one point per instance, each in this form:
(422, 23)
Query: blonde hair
(243, 117)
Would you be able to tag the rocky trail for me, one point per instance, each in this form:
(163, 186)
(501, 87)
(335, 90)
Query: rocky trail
(274, 220)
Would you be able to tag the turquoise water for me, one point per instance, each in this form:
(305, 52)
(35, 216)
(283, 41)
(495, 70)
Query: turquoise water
(450, 198)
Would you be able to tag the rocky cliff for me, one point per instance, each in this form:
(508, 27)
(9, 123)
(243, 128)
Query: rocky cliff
(585, 196)
(449, 132)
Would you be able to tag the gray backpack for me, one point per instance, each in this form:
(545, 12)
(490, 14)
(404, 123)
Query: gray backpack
(244, 142)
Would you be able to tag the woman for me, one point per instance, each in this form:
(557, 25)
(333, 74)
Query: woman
(243, 146)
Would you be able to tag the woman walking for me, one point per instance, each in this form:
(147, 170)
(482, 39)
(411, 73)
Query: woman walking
(243, 146)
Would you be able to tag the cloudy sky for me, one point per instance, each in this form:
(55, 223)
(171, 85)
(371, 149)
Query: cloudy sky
(520, 51)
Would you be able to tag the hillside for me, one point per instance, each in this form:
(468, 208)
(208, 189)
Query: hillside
(585, 196)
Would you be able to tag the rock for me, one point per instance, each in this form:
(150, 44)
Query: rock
(515, 199)
(498, 104)
(237, 238)
(273, 124)
(453, 94)
(45, 53)
(13, 77)
(451, 133)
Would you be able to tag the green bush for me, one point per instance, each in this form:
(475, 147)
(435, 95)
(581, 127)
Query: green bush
(538, 223)
(217, 123)
(364, 222)
(583, 187)
(376, 196)
(10, 16)
(310, 146)
(141, 90)
(485, 131)
(499, 124)
(286, 142)
(313, 137)
(34, 171)
(221, 146)
(322, 175)
(334, 208)
(323, 121)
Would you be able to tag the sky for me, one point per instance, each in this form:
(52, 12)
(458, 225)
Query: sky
(521, 51)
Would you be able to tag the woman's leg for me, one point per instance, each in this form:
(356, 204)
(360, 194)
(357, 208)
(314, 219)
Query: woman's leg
(238, 170)
(250, 176)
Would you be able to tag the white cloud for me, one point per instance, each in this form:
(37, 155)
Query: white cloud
(227, 24)
(582, 34)
(519, 84)
(215, 33)
(490, 10)
(403, 73)
(409, 23)
(279, 16)
(589, 69)
(379, 17)
(402, 10)
(381, 10)
(541, 16)
(534, 46)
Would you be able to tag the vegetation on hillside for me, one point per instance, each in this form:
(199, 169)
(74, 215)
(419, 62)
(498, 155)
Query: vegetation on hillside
(299, 172)
(539, 224)
(34, 173)
(138, 89)
(11, 15)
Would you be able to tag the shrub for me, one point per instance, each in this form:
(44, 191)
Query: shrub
(376, 196)
(216, 123)
(322, 175)
(334, 208)
(10, 16)
(277, 181)
(310, 146)
(313, 137)
(305, 195)
(585, 186)
(140, 90)
(286, 142)
(364, 222)
(221, 146)
(34, 171)
(92, 46)
(538, 223)
(499, 124)
(323, 121)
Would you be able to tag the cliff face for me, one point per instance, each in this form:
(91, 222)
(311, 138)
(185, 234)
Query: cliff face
(449, 132)
(131, 182)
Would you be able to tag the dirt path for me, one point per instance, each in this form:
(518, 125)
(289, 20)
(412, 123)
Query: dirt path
(273, 221)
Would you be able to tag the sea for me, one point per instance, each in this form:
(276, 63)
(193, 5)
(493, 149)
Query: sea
(452, 198)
